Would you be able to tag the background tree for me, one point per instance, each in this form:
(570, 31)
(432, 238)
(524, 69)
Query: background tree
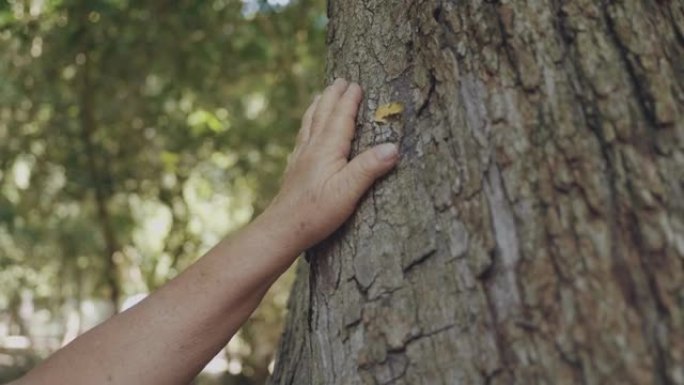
(133, 135)
(534, 230)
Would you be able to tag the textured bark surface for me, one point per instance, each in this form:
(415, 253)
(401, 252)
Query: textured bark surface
(533, 232)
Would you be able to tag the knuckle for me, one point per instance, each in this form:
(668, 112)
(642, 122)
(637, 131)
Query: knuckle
(354, 91)
(366, 168)
(310, 195)
(317, 122)
(342, 188)
(340, 85)
(303, 133)
(343, 118)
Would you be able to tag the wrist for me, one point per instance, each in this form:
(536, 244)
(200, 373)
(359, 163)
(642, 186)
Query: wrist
(278, 235)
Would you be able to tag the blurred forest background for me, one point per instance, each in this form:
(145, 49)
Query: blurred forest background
(133, 136)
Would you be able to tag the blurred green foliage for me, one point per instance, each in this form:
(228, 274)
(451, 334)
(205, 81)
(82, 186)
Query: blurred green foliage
(133, 136)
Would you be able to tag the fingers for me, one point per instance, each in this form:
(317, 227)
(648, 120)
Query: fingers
(326, 104)
(305, 132)
(358, 176)
(342, 124)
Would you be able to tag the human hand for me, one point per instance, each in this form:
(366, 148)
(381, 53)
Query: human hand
(321, 187)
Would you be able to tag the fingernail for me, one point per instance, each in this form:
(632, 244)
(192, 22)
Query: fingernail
(386, 151)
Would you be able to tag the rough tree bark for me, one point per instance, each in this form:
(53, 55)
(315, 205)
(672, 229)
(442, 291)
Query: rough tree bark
(534, 230)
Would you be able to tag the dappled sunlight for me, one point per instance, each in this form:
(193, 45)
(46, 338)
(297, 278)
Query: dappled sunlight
(153, 222)
(133, 137)
(252, 7)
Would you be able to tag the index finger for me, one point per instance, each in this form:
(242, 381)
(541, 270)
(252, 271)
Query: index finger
(342, 124)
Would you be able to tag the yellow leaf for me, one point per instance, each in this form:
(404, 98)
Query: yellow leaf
(387, 111)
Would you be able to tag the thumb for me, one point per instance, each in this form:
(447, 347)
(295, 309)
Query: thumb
(359, 174)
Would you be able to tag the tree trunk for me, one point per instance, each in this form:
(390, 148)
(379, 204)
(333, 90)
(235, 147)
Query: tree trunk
(533, 232)
(98, 170)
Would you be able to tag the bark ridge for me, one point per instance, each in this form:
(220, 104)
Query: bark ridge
(534, 230)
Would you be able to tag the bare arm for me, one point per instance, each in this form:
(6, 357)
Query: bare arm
(173, 333)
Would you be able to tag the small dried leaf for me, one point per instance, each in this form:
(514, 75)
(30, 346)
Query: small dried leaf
(387, 111)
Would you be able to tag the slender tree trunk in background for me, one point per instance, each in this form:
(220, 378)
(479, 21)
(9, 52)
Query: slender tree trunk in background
(534, 230)
(97, 169)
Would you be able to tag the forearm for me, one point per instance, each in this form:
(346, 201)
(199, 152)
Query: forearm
(172, 334)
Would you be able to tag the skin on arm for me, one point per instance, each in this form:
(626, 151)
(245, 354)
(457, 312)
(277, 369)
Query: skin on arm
(172, 334)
